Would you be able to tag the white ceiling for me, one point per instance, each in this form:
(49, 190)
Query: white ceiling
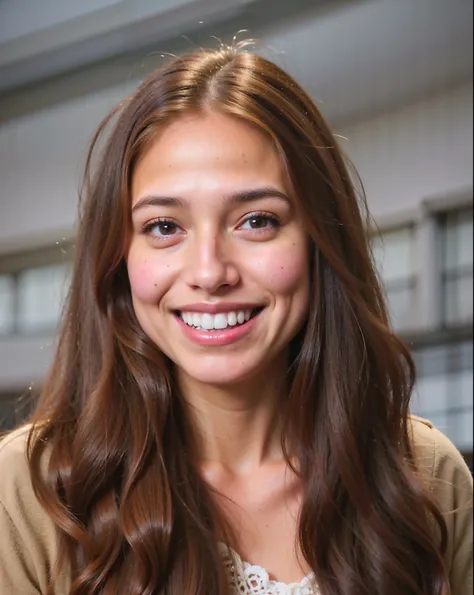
(376, 54)
(23, 17)
(58, 42)
(357, 57)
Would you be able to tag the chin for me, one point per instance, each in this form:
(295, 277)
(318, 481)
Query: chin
(226, 372)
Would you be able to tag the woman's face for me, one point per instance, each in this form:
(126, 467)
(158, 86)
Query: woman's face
(218, 261)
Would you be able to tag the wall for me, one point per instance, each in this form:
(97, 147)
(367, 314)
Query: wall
(419, 152)
(41, 161)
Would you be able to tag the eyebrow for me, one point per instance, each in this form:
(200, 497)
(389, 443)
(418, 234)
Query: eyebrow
(229, 199)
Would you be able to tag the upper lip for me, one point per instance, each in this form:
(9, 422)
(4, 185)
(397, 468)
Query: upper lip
(216, 307)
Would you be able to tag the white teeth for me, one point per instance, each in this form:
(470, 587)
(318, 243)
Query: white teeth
(218, 321)
(207, 322)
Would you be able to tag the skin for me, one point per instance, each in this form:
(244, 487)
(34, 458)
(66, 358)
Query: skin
(208, 248)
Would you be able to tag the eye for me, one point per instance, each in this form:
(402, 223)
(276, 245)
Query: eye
(260, 222)
(162, 228)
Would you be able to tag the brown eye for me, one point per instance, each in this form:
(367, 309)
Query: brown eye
(166, 228)
(260, 222)
(161, 228)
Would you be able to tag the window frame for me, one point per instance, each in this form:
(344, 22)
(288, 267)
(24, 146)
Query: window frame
(12, 265)
(444, 274)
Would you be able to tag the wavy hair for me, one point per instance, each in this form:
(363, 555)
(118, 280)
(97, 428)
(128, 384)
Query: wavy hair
(133, 513)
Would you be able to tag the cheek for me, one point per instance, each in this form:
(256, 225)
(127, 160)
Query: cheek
(145, 282)
(284, 271)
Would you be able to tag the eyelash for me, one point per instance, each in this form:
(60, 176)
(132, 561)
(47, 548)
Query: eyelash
(274, 221)
(148, 227)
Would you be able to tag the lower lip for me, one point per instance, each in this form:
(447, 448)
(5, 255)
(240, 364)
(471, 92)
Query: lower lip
(218, 337)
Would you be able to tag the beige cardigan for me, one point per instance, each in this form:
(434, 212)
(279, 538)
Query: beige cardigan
(28, 536)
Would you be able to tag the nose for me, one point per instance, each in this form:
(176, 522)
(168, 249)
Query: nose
(211, 266)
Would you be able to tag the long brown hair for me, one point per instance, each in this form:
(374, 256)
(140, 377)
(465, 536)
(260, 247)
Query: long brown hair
(132, 512)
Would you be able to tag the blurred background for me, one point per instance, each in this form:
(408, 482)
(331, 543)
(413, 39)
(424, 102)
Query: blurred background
(393, 78)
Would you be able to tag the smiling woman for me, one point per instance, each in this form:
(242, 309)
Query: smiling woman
(226, 385)
(218, 265)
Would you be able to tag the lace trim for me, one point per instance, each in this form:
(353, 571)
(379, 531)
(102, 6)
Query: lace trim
(246, 579)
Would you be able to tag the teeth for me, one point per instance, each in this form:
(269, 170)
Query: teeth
(219, 321)
(207, 322)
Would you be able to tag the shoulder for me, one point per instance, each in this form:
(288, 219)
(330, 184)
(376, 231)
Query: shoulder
(28, 546)
(437, 457)
(14, 464)
(450, 481)
(16, 489)
(17, 496)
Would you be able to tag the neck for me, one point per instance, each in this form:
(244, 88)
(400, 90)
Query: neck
(237, 426)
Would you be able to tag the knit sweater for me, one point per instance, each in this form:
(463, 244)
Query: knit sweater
(28, 536)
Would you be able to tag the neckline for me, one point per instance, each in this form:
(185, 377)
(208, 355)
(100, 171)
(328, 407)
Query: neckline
(243, 567)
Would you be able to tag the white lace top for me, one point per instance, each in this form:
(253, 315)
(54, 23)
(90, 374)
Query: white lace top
(246, 579)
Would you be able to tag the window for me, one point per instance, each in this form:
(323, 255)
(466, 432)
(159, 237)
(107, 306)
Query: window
(427, 272)
(7, 304)
(32, 290)
(456, 230)
(444, 387)
(394, 256)
(40, 294)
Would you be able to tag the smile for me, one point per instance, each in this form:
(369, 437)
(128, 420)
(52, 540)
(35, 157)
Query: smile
(219, 321)
(217, 328)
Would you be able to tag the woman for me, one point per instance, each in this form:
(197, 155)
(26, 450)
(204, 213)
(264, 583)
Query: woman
(226, 386)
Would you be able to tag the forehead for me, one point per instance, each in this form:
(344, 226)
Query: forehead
(211, 152)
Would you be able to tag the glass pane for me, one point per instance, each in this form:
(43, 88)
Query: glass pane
(458, 240)
(459, 428)
(443, 392)
(393, 253)
(7, 304)
(458, 300)
(401, 304)
(41, 293)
